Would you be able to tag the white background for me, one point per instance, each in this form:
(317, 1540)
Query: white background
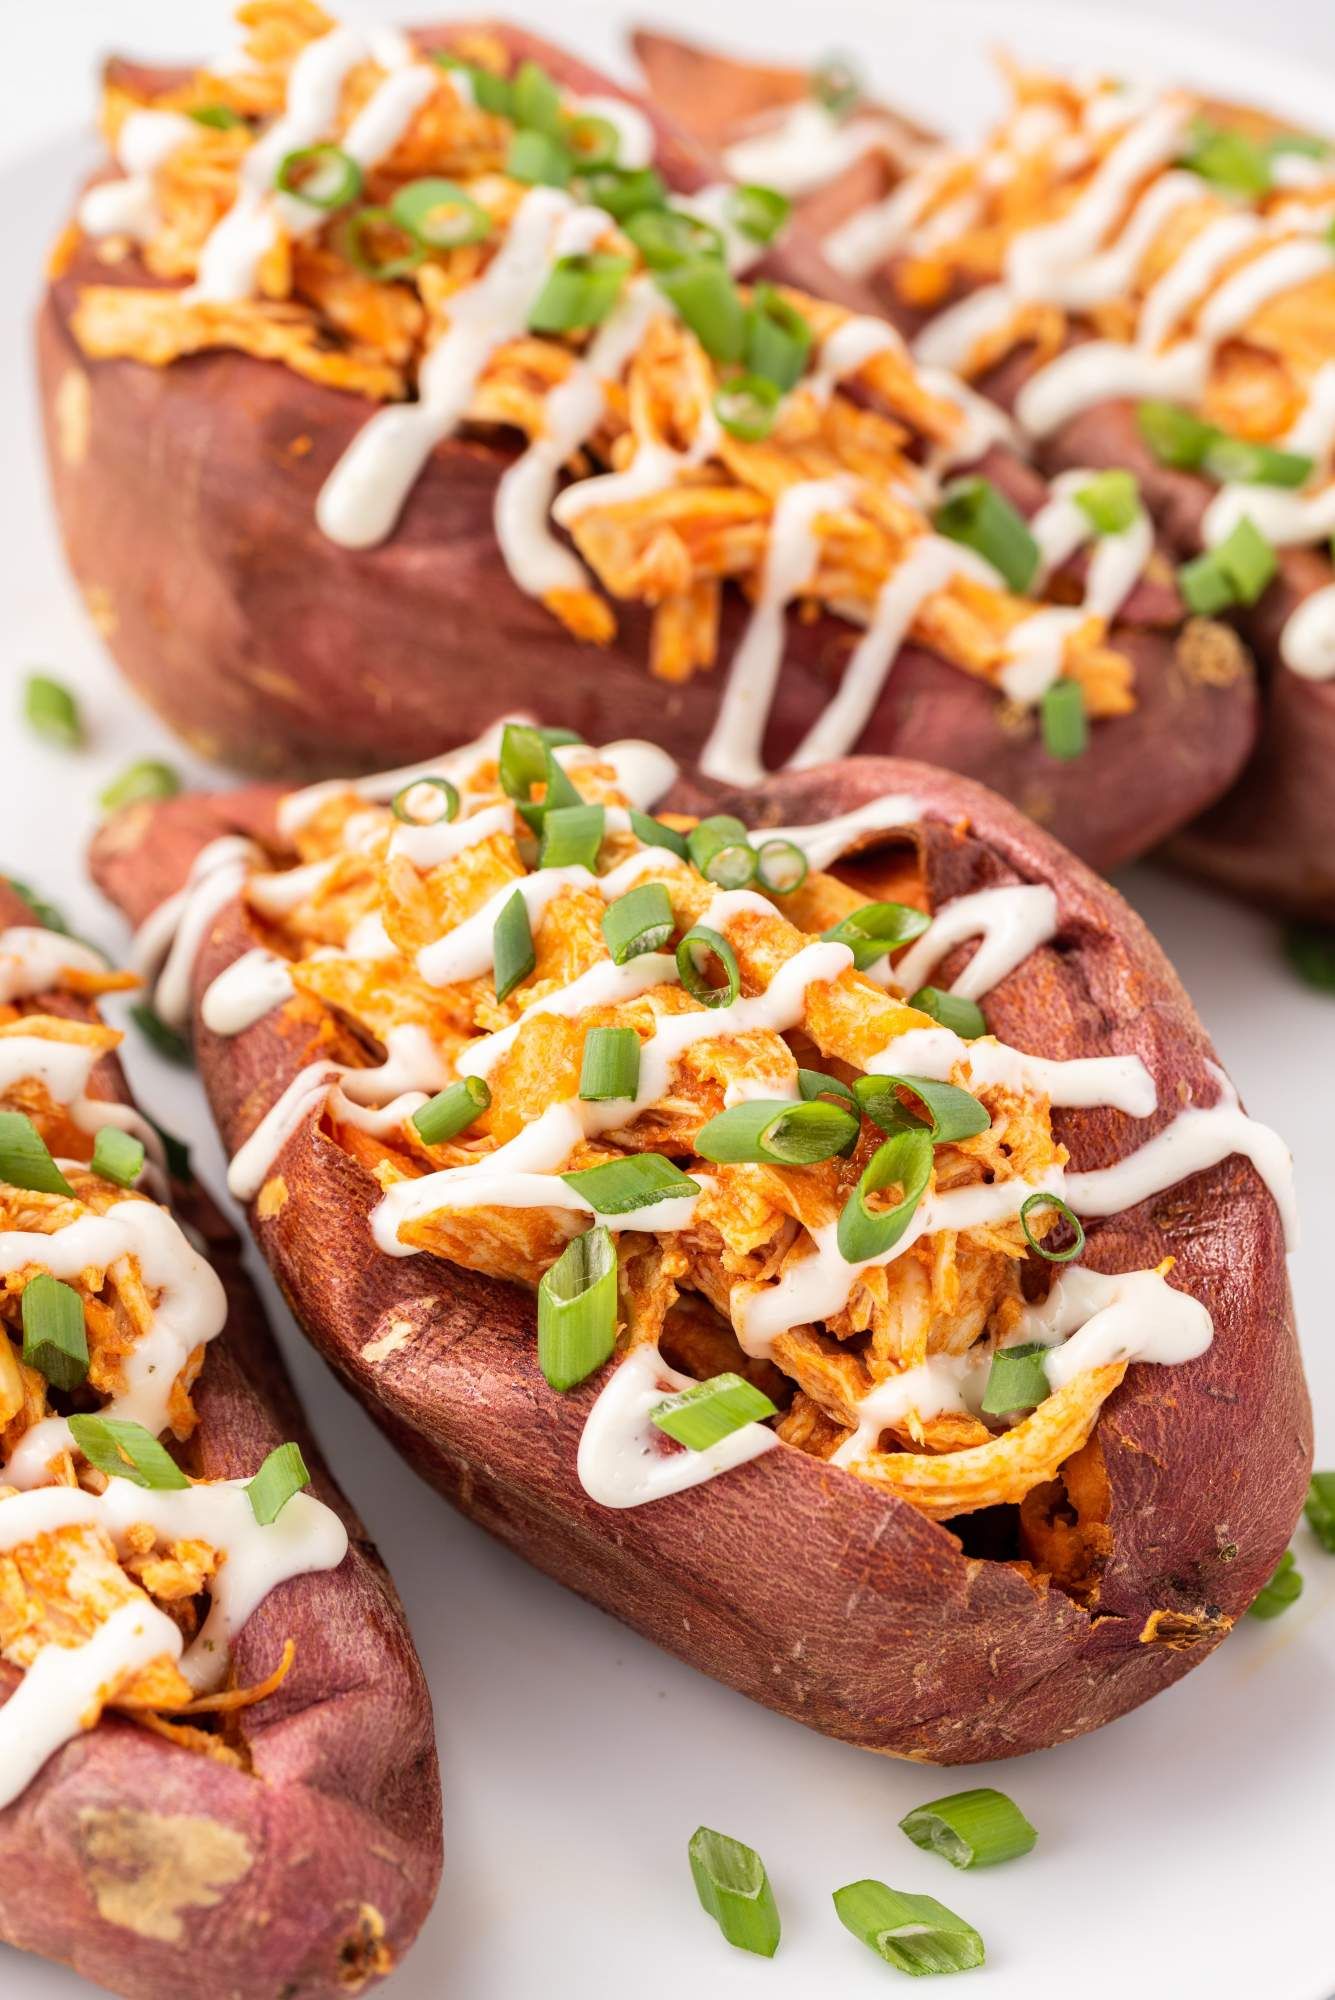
(1184, 1851)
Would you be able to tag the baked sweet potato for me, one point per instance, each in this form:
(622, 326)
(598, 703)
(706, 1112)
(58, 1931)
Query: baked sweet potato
(908, 1574)
(286, 1838)
(231, 423)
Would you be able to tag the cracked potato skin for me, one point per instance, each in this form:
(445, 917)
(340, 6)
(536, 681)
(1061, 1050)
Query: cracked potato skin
(788, 1579)
(129, 1858)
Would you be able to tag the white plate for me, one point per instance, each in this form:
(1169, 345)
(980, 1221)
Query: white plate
(1184, 1851)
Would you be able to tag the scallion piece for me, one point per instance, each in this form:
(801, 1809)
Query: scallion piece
(837, 85)
(25, 1161)
(512, 940)
(1110, 501)
(155, 1031)
(610, 1068)
(781, 867)
(746, 406)
(357, 232)
(1227, 158)
(50, 711)
(1319, 1508)
(1233, 460)
(916, 1934)
(758, 212)
(1042, 1200)
(452, 1110)
(426, 802)
(710, 1411)
(977, 514)
(148, 779)
(127, 1451)
(709, 303)
(218, 117)
(1205, 585)
(118, 1156)
(594, 141)
(1284, 1588)
(904, 1161)
(440, 213)
(667, 237)
(1177, 437)
(282, 1474)
(580, 292)
(721, 849)
(571, 836)
(877, 928)
(55, 1340)
(637, 922)
(1063, 720)
(527, 759)
(1236, 571)
(1018, 1379)
(778, 338)
(618, 1187)
(974, 1829)
(492, 93)
(654, 834)
(536, 99)
(781, 1133)
(577, 1309)
(624, 194)
(46, 914)
(538, 160)
(813, 1083)
(699, 945)
(962, 1017)
(324, 176)
(952, 1113)
(734, 1889)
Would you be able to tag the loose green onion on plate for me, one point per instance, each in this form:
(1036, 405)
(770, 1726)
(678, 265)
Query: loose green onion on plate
(538, 160)
(50, 711)
(127, 1451)
(1319, 1508)
(783, 1134)
(55, 1340)
(1284, 1588)
(734, 1889)
(148, 779)
(580, 292)
(571, 837)
(654, 834)
(708, 1412)
(916, 1934)
(976, 513)
(440, 213)
(637, 922)
(155, 1031)
(699, 946)
(905, 1162)
(669, 237)
(973, 1829)
(512, 941)
(1018, 1379)
(452, 1110)
(952, 1113)
(706, 298)
(1063, 720)
(25, 1160)
(877, 928)
(721, 849)
(617, 1187)
(610, 1068)
(747, 406)
(577, 1309)
(1110, 500)
(325, 176)
(963, 1017)
(282, 1474)
(1068, 1215)
(118, 1156)
(781, 867)
(778, 338)
(426, 802)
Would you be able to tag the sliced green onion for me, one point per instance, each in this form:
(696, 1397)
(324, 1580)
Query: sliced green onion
(55, 1340)
(877, 928)
(46, 914)
(148, 779)
(571, 836)
(978, 514)
(1111, 501)
(452, 1110)
(218, 117)
(757, 212)
(974, 1829)
(426, 802)
(721, 849)
(324, 176)
(654, 834)
(594, 141)
(710, 1411)
(778, 338)
(537, 101)
(611, 1065)
(440, 213)
(491, 92)
(127, 1451)
(1319, 1508)
(734, 1889)
(781, 867)
(354, 234)
(538, 160)
(1176, 436)
(1233, 460)
(50, 711)
(709, 303)
(952, 1113)
(1284, 1588)
(1235, 572)
(155, 1031)
(699, 945)
(1018, 1379)
(837, 85)
(784, 1134)
(1042, 1200)
(1205, 585)
(25, 1161)
(1227, 159)
(1305, 143)
(527, 758)
(118, 1156)
(512, 940)
(577, 1309)
(624, 194)
(916, 1934)
(667, 237)
(282, 1474)
(746, 407)
(637, 922)
(904, 1161)
(813, 1083)
(962, 1017)
(1063, 720)
(580, 291)
(617, 1187)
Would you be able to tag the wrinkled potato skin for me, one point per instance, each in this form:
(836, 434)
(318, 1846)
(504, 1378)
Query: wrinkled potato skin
(790, 1580)
(156, 1872)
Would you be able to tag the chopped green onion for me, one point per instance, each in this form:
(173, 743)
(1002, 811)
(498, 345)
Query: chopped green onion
(1284, 1588)
(1233, 460)
(148, 779)
(836, 85)
(610, 1069)
(50, 711)
(155, 1031)
(354, 233)
(624, 194)
(654, 834)
(734, 1889)
(757, 212)
(1227, 159)
(1111, 500)
(977, 514)
(952, 1113)
(1018, 1379)
(782, 1133)
(46, 914)
(778, 338)
(877, 928)
(904, 1161)
(282, 1474)
(667, 237)
(637, 922)
(638, 1180)
(1235, 572)
(746, 407)
(1319, 1508)
(721, 849)
(813, 1083)
(452, 1110)
(571, 836)
(1042, 1200)
(962, 1017)
(973, 1829)
(577, 1309)
(55, 1340)
(25, 1161)
(426, 802)
(699, 945)
(594, 141)
(127, 1451)
(440, 213)
(324, 176)
(512, 939)
(781, 867)
(1305, 143)
(118, 1156)
(537, 101)
(580, 291)
(1205, 585)
(1176, 436)
(538, 160)
(709, 303)
(218, 117)
(527, 758)
(1063, 720)
(916, 1934)
(710, 1411)
(491, 93)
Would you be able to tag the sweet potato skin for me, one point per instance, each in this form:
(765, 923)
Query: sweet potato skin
(186, 499)
(858, 1617)
(309, 1875)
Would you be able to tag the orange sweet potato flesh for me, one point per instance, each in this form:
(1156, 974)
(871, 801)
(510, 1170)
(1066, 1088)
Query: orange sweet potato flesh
(792, 1580)
(186, 499)
(153, 1870)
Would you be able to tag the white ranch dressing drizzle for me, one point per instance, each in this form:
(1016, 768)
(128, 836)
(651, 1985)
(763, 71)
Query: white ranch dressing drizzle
(871, 234)
(298, 809)
(625, 1461)
(245, 991)
(34, 960)
(167, 943)
(635, 132)
(65, 1069)
(826, 840)
(804, 147)
(126, 207)
(1061, 527)
(1307, 645)
(1010, 922)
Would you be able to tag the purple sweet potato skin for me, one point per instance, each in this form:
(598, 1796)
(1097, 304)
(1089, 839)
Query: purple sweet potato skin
(791, 1580)
(308, 1876)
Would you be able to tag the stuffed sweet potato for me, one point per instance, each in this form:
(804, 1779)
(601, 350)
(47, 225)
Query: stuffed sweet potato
(250, 1790)
(818, 1398)
(1144, 281)
(415, 450)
